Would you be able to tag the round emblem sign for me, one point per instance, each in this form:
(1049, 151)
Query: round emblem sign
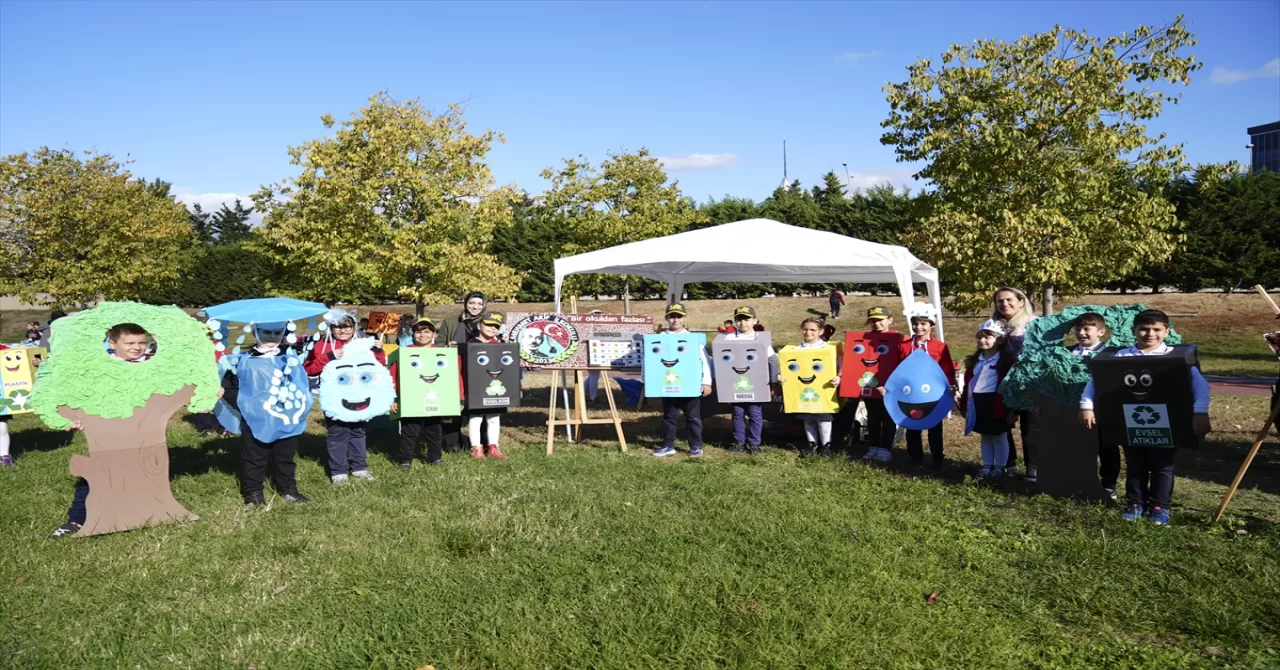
(544, 339)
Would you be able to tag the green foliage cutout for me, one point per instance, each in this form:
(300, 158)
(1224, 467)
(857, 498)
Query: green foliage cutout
(1048, 367)
(79, 373)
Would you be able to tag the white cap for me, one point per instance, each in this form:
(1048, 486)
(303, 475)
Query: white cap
(923, 310)
(993, 326)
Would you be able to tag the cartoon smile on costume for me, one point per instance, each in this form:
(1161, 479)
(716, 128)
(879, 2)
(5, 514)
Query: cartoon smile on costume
(492, 375)
(869, 359)
(807, 376)
(918, 394)
(1139, 384)
(741, 368)
(356, 387)
(13, 361)
(672, 366)
(428, 381)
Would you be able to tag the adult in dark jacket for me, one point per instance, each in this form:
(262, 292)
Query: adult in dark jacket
(474, 307)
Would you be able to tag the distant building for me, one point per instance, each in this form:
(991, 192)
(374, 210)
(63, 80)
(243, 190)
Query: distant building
(1266, 147)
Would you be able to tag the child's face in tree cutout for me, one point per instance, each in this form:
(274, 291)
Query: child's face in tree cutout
(1088, 334)
(880, 325)
(1149, 336)
(423, 336)
(475, 306)
(745, 324)
(488, 331)
(921, 327)
(987, 340)
(130, 347)
(810, 332)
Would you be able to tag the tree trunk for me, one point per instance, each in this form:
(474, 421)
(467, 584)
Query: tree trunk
(1046, 304)
(128, 466)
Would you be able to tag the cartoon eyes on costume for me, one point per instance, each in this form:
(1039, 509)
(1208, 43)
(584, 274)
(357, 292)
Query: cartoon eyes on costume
(882, 349)
(507, 359)
(728, 356)
(1131, 379)
(365, 377)
(858, 348)
(906, 389)
(751, 358)
(482, 359)
(1145, 379)
(440, 363)
(924, 388)
(818, 367)
(415, 364)
(344, 379)
(681, 348)
(657, 348)
(793, 366)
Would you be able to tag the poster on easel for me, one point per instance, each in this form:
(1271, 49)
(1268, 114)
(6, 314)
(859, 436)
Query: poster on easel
(579, 340)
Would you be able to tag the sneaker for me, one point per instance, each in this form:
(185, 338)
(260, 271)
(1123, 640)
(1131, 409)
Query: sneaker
(1013, 470)
(254, 500)
(1159, 515)
(68, 528)
(495, 452)
(1110, 493)
(883, 455)
(826, 450)
(435, 462)
(407, 465)
(6, 461)
(695, 452)
(338, 479)
(477, 453)
(363, 474)
(1032, 476)
(736, 448)
(1132, 513)
(754, 449)
(808, 451)
(985, 472)
(296, 497)
(998, 473)
(665, 451)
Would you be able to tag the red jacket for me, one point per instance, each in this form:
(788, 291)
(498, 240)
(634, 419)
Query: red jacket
(937, 350)
(395, 371)
(322, 353)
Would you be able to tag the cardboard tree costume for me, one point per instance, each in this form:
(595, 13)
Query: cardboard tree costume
(429, 379)
(1145, 401)
(492, 375)
(124, 408)
(807, 375)
(918, 393)
(672, 365)
(18, 374)
(741, 368)
(356, 387)
(869, 359)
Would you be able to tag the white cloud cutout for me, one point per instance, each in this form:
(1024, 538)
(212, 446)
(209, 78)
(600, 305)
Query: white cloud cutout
(212, 202)
(1227, 76)
(855, 57)
(698, 162)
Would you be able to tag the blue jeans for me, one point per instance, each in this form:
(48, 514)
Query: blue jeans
(748, 422)
(347, 450)
(692, 408)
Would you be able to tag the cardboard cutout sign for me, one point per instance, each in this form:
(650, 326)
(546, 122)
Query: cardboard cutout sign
(742, 368)
(1145, 401)
(578, 340)
(18, 373)
(356, 387)
(869, 359)
(918, 394)
(807, 375)
(492, 375)
(428, 381)
(384, 323)
(274, 396)
(673, 365)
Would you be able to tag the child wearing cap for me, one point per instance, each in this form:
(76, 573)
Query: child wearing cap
(692, 407)
(491, 419)
(923, 320)
(981, 404)
(1090, 329)
(346, 440)
(881, 430)
(748, 417)
(413, 430)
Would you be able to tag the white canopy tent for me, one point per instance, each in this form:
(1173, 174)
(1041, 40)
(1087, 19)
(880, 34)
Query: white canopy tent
(758, 250)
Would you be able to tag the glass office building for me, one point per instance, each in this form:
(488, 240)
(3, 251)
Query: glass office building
(1266, 147)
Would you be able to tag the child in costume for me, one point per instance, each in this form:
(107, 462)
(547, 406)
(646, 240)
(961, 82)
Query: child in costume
(981, 404)
(1149, 477)
(817, 427)
(748, 417)
(1090, 329)
(692, 407)
(129, 342)
(491, 419)
(413, 430)
(346, 440)
(880, 427)
(923, 320)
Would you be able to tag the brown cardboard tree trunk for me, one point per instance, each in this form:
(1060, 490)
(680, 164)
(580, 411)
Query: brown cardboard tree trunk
(128, 466)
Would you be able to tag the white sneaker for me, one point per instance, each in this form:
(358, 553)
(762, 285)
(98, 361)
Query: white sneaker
(338, 479)
(883, 455)
(363, 474)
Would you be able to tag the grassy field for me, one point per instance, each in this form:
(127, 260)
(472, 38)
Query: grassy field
(593, 558)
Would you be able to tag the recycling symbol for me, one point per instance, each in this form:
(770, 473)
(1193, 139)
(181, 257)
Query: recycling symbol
(495, 388)
(868, 380)
(809, 395)
(1144, 415)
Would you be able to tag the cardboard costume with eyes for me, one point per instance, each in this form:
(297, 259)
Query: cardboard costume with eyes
(356, 387)
(492, 375)
(742, 368)
(673, 365)
(1145, 401)
(807, 375)
(869, 359)
(428, 381)
(918, 394)
(18, 374)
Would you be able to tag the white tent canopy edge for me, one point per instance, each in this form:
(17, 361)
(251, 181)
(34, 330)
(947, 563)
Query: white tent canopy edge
(758, 250)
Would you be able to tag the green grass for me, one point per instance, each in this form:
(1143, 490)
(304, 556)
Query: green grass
(593, 558)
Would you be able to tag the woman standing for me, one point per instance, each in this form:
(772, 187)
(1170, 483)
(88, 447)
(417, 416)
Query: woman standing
(467, 327)
(1014, 309)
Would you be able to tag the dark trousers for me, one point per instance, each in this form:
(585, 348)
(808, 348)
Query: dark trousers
(1109, 468)
(253, 463)
(77, 513)
(207, 423)
(915, 446)
(414, 430)
(748, 423)
(348, 451)
(1149, 479)
(880, 426)
(835, 309)
(452, 428)
(1025, 419)
(692, 408)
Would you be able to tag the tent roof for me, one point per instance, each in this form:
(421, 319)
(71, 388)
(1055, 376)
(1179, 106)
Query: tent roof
(755, 250)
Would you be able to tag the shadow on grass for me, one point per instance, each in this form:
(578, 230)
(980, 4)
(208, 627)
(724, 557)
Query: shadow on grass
(42, 439)
(1218, 462)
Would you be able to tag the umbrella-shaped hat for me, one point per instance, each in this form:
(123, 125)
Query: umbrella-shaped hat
(264, 310)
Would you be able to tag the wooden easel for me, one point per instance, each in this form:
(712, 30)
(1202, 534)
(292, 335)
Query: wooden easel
(1262, 434)
(578, 418)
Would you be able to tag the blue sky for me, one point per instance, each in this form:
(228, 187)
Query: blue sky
(209, 95)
